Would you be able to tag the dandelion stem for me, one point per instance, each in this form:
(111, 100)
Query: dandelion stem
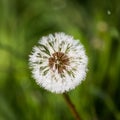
(71, 106)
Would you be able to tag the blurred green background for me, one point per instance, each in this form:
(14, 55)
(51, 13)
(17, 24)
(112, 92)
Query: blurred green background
(96, 23)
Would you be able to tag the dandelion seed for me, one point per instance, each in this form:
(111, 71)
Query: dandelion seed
(109, 12)
(58, 63)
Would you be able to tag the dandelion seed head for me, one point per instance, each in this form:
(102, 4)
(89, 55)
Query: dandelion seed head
(58, 63)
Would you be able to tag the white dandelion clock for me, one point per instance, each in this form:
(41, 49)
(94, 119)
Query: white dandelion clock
(58, 63)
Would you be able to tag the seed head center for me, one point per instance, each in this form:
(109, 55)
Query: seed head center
(58, 61)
